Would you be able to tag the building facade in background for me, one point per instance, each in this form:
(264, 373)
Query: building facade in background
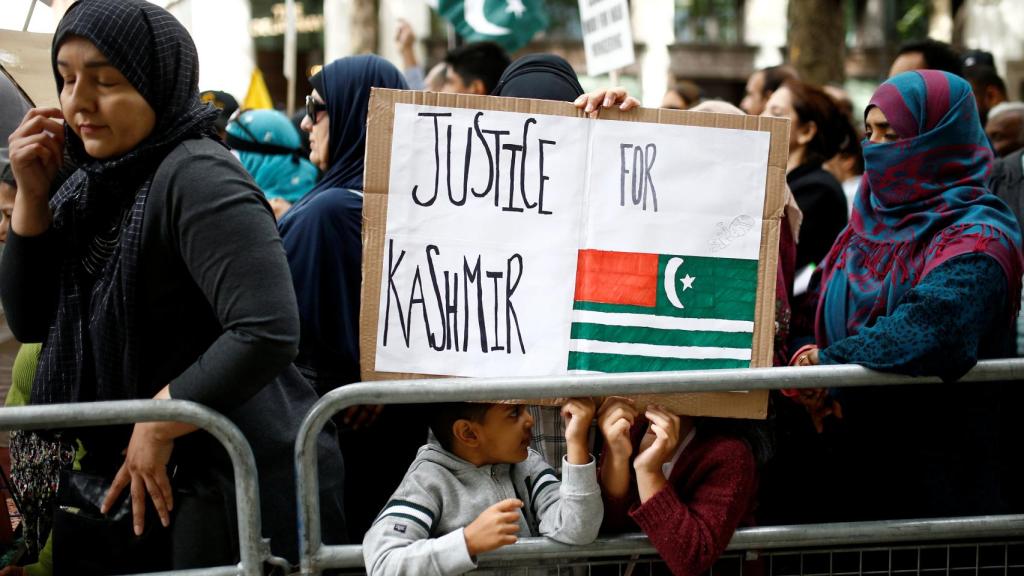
(714, 43)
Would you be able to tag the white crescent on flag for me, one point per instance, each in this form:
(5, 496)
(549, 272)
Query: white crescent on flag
(670, 281)
(477, 19)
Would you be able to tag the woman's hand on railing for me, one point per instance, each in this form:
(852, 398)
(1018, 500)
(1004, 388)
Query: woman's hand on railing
(816, 401)
(145, 468)
(145, 471)
(805, 356)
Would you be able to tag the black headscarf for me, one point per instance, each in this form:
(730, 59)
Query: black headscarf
(345, 86)
(321, 233)
(541, 76)
(91, 350)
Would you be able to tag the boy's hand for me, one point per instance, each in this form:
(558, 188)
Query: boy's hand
(578, 413)
(615, 419)
(493, 528)
(661, 440)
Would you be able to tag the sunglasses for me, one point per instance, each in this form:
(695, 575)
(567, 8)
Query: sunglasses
(313, 107)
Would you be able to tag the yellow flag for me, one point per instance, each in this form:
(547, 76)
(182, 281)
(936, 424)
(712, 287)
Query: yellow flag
(258, 97)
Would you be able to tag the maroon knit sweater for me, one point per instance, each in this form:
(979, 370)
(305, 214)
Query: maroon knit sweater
(710, 492)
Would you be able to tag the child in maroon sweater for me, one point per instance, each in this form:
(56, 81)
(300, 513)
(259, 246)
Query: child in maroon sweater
(687, 489)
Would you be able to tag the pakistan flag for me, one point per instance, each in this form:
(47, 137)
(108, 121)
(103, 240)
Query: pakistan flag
(636, 312)
(511, 23)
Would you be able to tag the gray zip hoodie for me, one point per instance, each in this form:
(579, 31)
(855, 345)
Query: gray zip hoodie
(420, 530)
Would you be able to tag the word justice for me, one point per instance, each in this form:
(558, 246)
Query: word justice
(506, 159)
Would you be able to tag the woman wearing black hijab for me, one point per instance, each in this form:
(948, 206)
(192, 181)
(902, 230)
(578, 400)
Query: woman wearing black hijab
(540, 76)
(143, 279)
(322, 235)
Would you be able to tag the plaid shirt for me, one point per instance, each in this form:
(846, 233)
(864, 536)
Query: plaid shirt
(549, 434)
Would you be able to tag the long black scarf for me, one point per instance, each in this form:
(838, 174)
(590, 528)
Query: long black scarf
(92, 349)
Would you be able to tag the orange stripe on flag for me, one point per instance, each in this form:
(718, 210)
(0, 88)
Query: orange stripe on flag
(617, 278)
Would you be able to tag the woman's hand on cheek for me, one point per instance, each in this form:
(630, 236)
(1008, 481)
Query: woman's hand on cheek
(37, 151)
(145, 471)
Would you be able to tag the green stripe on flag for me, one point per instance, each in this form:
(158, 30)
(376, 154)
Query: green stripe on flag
(722, 310)
(598, 362)
(662, 337)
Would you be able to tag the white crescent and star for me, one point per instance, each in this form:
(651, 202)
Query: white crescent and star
(670, 282)
(515, 7)
(477, 19)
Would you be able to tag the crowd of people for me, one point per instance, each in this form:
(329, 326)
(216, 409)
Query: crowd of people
(162, 244)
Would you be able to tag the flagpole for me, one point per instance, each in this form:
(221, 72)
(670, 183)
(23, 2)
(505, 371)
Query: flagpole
(31, 9)
(451, 35)
(290, 53)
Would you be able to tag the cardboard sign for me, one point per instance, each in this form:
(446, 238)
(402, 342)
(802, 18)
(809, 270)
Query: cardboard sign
(607, 35)
(512, 237)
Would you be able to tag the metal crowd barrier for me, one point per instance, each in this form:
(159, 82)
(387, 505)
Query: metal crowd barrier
(253, 549)
(1001, 558)
(315, 556)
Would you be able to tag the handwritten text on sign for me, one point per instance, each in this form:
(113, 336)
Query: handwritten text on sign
(607, 36)
(488, 211)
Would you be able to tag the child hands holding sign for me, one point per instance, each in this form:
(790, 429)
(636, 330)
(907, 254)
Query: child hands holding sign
(479, 487)
(688, 486)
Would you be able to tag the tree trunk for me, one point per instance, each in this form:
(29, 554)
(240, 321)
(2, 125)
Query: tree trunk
(817, 40)
(364, 26)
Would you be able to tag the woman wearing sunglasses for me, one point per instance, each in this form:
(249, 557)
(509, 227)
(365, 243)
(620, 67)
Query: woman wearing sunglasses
(154, 271)
(322, 235)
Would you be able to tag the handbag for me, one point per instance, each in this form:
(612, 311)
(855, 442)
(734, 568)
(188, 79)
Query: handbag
(86, 541)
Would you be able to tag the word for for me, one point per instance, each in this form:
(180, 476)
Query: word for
(510, 197)
(639, 172)
(442, 328)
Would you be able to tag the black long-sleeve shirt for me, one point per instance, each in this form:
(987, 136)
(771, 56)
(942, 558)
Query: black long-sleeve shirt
(217, 313)
(217, 318)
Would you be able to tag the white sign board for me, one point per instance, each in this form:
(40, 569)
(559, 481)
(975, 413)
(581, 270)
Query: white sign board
(607, 35)
(522, 244)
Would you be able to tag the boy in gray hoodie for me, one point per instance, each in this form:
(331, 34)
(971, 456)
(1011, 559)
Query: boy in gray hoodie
(479, 486)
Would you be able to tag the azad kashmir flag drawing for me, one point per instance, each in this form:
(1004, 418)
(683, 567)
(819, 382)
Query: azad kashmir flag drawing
(637, 312)
(511, 23)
